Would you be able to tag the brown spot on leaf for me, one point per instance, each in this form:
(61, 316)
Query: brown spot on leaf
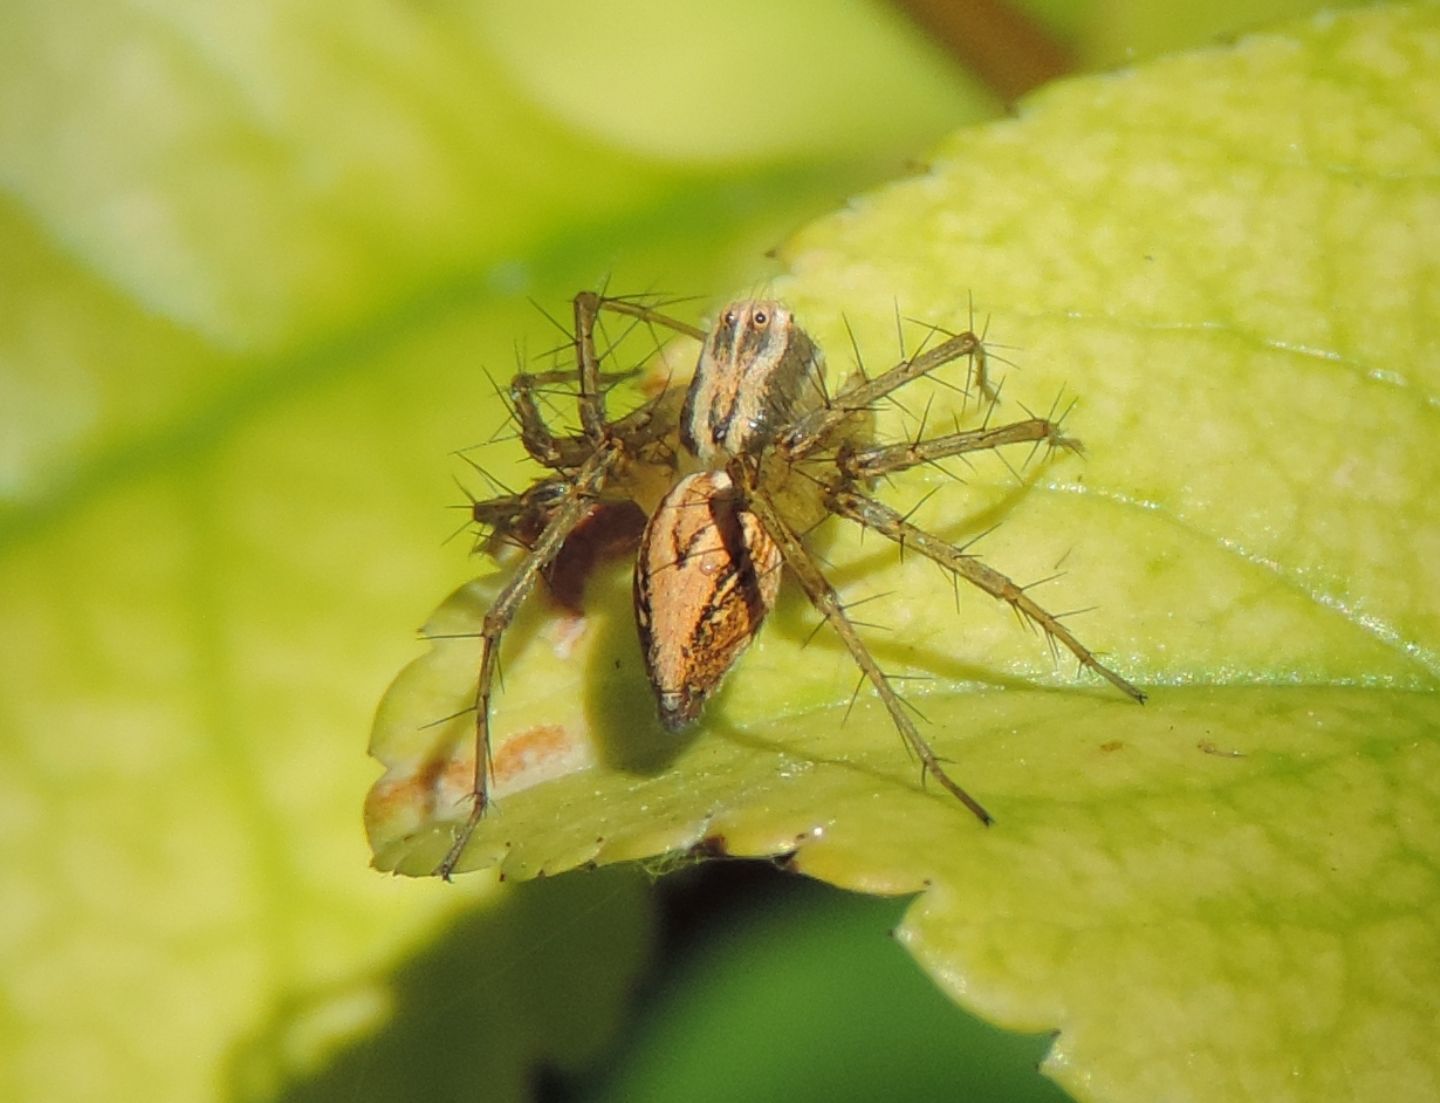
(411, 794)
(534, 749)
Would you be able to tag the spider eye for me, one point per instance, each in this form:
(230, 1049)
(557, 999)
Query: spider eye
(729, 317)
(761, 317)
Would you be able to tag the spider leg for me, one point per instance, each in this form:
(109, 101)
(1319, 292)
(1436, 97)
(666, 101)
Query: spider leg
(581, 493)
(870, 463)
(592, 397)
(544, 447)
(595, 303)
(888, 523)
(816, 428)
(827, 602)
(588, 306)
(570, 452)
(549, 514)
(981, 360)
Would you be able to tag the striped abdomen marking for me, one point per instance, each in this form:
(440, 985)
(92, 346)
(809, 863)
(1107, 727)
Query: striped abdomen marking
(706, 576)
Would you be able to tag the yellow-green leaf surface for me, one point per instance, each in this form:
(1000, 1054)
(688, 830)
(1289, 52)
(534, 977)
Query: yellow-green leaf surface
(1229, 261)
(256, 260)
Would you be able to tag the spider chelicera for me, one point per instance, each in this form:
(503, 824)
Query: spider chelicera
(714, 482)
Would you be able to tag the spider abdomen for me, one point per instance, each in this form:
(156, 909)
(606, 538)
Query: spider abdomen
(706, 575)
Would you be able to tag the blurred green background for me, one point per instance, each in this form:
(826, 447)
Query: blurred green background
(254, 261)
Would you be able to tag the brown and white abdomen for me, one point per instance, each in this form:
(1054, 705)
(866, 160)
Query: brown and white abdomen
(706, 575)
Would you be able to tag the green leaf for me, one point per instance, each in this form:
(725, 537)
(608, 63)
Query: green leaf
(256, 260)
(527, 984)
(767, 987)
(1228, 259)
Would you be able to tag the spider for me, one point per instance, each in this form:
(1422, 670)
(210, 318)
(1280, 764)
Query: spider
(713, 484)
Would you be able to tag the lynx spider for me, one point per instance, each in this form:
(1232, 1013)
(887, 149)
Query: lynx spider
(767, 454)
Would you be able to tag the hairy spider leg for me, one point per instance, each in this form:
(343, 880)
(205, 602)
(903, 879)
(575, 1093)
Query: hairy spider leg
(860, 465)
(592, 457)
(849, 502)
(592, 397)
(827, 603)
(544, 447)
(864, 464)
(582, 492)
(814, 429)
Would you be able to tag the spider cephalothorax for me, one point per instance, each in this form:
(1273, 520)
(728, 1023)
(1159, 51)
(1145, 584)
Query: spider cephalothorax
(729, 471)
